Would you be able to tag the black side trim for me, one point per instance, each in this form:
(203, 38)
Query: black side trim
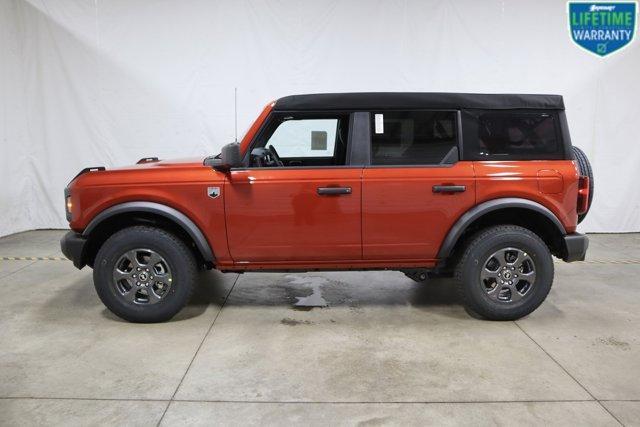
(147, 160)
(576, 245)
(333, 191)
(492, 205)
(168, 212)
(89, 169)
(566, 137)
(449, 188)
(72, 245)
(360, 137)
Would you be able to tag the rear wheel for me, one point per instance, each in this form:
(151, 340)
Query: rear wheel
(144, 274)
(505, 273)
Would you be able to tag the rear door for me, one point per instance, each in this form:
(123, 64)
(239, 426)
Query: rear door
(415, 188)
(307, 208)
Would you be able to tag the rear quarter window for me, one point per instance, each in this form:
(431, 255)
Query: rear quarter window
(511, 135)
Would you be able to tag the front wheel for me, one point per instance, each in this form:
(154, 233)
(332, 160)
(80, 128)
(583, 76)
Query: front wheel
(144, 274)
(505, 273)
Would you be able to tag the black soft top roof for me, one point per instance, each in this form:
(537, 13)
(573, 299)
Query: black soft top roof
(415, 100)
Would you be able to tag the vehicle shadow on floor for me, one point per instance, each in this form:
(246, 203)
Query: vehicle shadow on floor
(280, 290)
(212, 288)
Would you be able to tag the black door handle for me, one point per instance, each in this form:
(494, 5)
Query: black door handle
(333, 191)
(449, 188)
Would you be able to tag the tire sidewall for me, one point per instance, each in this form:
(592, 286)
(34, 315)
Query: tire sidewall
(159, 242)
(474, 290)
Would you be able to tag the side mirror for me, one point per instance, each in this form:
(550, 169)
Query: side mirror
(230, 157)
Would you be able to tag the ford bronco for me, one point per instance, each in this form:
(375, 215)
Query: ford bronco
(481, 188)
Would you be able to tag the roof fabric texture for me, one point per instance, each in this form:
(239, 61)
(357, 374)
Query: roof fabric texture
(391, 100)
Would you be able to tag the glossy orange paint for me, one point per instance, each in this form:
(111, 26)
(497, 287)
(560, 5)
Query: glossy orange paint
(402, 217)
(180, 184)
(274, 218)
(277, 215)
(496, 179)
(255, 127)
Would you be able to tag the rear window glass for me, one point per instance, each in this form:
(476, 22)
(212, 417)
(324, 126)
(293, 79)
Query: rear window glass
(412, 137)
(511, 135)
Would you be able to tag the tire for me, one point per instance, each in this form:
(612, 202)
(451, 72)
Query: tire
(584, 167)
(124, 270)
(484, 250)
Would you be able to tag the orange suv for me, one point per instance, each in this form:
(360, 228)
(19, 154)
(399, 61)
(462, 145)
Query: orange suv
(484, 188)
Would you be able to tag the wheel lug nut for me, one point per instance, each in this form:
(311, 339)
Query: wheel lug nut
(138, 268)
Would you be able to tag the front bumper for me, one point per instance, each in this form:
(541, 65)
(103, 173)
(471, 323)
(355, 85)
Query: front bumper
(575, 245)
(73, 245)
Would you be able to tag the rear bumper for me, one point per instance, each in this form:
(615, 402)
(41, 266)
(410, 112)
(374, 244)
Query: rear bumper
(72, 245)
(576, 245)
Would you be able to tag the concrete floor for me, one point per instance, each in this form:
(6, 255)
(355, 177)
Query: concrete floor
(384, 351)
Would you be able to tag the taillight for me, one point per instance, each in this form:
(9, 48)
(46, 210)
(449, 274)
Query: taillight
(583, 195)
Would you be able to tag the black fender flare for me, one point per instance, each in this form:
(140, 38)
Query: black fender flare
(168, 212)
(493, 205)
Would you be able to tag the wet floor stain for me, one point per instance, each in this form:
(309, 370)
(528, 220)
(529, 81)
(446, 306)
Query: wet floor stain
(614, 342)
(377, 421)
(315, 299)
(293, 322)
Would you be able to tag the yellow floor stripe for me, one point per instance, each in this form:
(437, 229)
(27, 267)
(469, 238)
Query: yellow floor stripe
(33, 258)
(612, 261)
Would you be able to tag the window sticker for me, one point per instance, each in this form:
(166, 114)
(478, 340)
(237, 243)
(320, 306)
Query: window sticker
(318, 140)
(379, 120)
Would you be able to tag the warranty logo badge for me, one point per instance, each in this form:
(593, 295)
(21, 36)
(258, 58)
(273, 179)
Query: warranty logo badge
(602, 28)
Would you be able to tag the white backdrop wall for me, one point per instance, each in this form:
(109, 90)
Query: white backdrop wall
(106, 82)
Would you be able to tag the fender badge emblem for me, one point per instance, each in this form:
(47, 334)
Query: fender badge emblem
(213, 192)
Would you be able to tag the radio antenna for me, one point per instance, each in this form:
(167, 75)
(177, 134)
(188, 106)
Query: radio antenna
(235, 112)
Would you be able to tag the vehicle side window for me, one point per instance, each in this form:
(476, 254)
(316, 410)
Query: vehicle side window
(413, 137)
(306, 139)
(511, 135)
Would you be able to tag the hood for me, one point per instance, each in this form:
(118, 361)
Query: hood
(148, 171)
(153, 162)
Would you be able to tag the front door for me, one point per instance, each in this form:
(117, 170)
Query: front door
(415, 188)
(297, 201)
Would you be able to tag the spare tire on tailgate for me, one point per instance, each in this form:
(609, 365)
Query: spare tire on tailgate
(584, 167)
